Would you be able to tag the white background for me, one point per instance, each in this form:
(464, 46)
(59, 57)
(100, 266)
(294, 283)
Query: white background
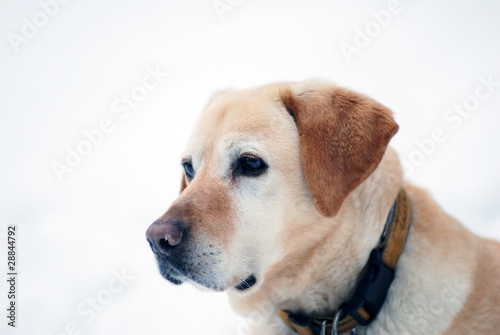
(63, 80)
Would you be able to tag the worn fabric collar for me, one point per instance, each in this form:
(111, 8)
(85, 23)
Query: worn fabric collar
(371, 289)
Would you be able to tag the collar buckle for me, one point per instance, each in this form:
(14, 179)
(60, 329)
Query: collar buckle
(371, 290)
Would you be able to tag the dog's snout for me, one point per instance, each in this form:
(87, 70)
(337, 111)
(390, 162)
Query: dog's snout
(163, 235)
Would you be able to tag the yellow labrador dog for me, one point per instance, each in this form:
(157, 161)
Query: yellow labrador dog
(288, 193)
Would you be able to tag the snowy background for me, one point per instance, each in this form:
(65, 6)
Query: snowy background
(84, 264)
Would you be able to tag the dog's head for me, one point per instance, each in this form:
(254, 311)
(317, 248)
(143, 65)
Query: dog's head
(257, 162)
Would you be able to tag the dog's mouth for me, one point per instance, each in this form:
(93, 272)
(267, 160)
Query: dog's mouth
(170, 273)
(178, 271)
(175, 277)
(173, 280)
(180, 274)
(247, 283)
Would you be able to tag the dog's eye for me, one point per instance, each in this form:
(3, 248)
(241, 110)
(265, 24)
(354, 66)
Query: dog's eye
(251, 165)
(188, 168)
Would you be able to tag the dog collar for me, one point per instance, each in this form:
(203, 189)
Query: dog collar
(371, 290)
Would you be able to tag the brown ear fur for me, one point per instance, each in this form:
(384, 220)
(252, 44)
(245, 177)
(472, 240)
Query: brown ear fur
(343, 136)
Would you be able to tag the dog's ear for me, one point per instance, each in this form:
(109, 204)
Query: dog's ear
(343, 136)
(183, 183)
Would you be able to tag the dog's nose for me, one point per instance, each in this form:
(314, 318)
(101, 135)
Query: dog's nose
(162, 235)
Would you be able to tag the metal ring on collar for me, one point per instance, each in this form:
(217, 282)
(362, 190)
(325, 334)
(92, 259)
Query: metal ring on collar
(335, 325)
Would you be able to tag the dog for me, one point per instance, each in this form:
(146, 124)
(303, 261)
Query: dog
(286, 191)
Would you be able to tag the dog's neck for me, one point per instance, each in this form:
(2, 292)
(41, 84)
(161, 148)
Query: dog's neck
(328, 262)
